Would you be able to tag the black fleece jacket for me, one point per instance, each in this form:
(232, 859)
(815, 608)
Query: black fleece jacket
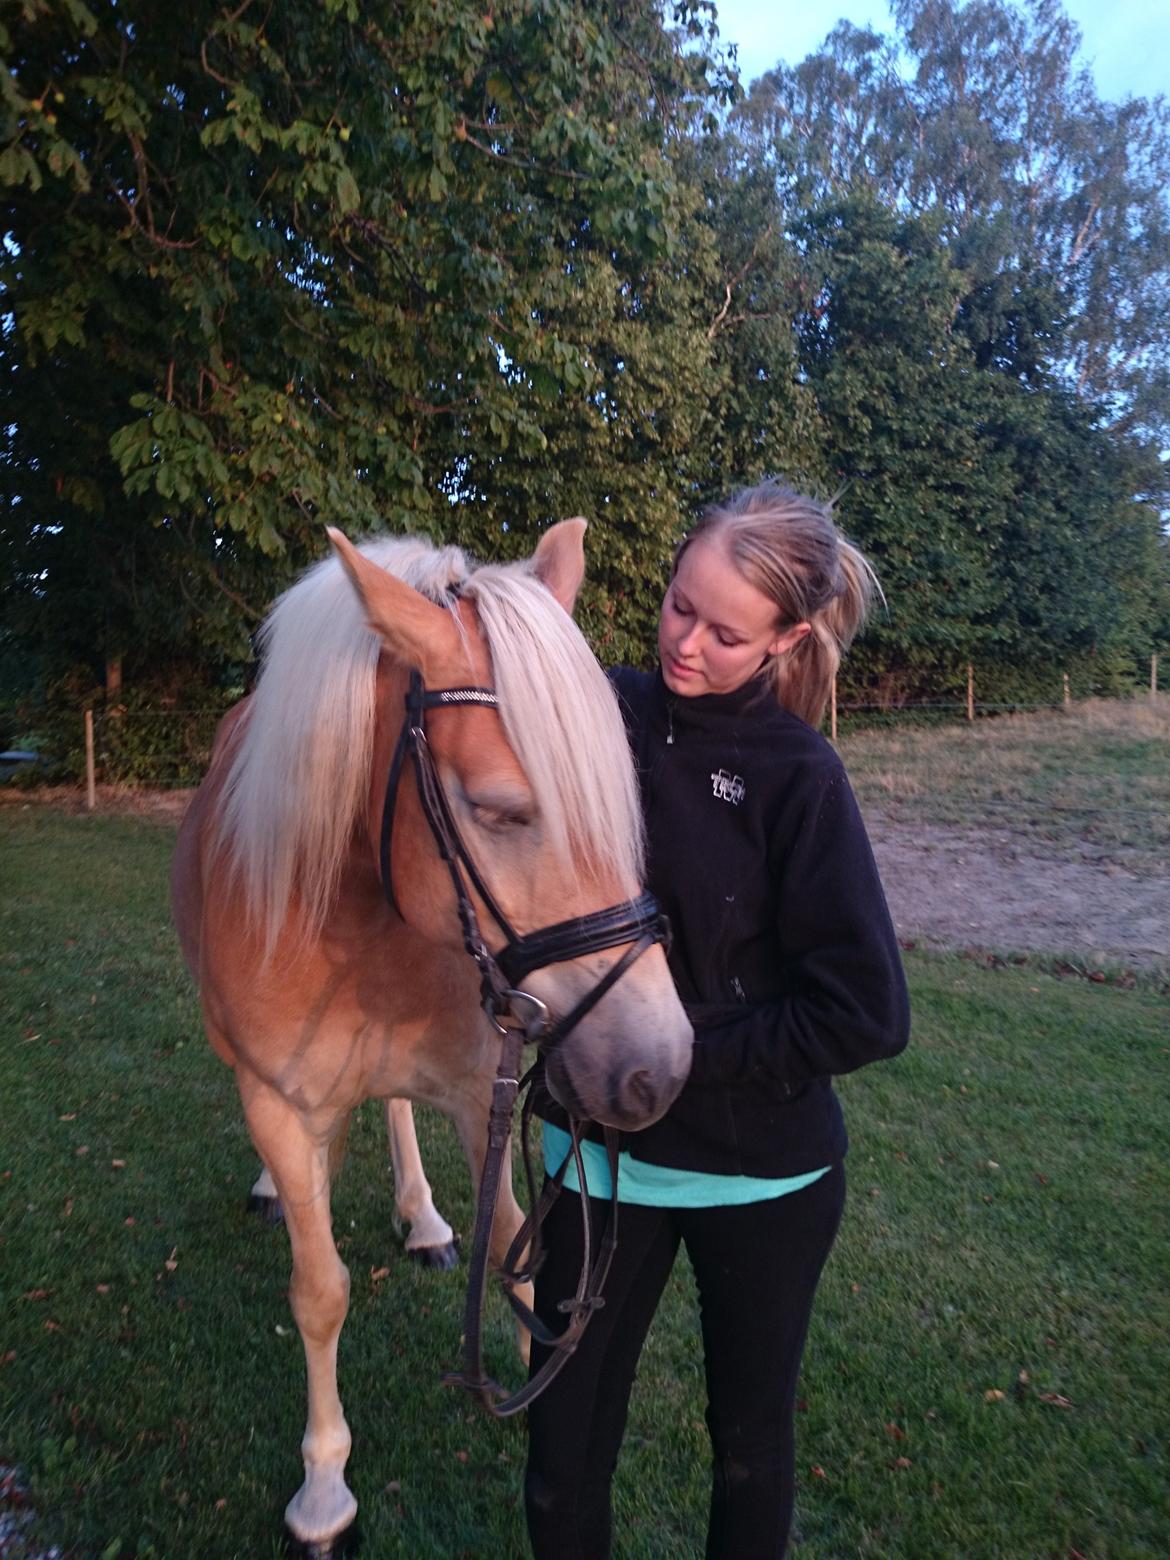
(783, 951)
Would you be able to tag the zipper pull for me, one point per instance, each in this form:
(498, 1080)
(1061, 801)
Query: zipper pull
(670, 725)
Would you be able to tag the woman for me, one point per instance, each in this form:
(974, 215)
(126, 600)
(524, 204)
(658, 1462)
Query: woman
(784, 953)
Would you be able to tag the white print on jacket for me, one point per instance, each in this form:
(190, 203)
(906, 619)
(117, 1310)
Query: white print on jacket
(728, 787)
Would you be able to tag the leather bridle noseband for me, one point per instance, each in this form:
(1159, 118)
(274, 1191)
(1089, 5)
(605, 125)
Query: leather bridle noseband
(519, 1018)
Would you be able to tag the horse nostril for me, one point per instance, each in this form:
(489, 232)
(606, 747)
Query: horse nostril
(636, 1094)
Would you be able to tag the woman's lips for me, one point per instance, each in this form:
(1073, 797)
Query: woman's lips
(677, 669)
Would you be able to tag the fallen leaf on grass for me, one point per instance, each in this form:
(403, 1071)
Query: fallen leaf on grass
(172, 1261)
(35, 1294)
(8, 1357)
(378, 1274)
(461, 1457)
(102, 1289)
(896, 1431)
(902, 1462)
(818, 1472)
(118, 1164)
(69, 1116)
(1057, 1399)
(221, 1504)
(993, 1395)
(51, 1326)
(130, 1221)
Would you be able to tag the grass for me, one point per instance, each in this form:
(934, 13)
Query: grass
(986, 1372)
(1098, 773)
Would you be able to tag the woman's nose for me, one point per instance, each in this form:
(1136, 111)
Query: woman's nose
(690, 641)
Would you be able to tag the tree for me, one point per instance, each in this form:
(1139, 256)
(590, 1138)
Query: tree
(1055, 204)
(309, 263)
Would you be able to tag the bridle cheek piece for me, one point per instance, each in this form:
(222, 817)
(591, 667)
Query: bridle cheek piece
(519, 1018)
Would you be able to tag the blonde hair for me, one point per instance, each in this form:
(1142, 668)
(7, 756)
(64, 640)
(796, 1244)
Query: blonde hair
(788, 546)
(300, 774)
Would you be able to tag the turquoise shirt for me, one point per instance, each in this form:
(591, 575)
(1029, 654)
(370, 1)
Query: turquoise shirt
(657, 1186)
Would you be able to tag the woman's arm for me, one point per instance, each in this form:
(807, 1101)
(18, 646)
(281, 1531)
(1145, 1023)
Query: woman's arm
(845, 1001)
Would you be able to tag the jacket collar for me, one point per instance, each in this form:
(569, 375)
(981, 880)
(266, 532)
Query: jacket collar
(751, 696)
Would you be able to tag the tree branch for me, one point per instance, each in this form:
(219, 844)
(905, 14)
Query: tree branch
(729, 287)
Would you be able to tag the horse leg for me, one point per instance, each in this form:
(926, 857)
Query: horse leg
(471, 1122)
(429, 1239)
(300, 1161)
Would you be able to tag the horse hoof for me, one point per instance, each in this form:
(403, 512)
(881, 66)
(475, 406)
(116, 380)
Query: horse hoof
(442, 1257)
(267, 1209)
(345, 1544)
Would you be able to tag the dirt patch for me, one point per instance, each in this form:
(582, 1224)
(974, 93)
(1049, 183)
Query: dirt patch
(989, 888)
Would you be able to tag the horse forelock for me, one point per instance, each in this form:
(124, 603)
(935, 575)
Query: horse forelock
(299, 776)
(300, 773)
(562, 720)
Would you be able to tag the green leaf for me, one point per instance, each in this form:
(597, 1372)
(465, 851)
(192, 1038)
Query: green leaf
(19, 166)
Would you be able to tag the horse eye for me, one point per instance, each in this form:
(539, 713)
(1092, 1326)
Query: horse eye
(498, 820)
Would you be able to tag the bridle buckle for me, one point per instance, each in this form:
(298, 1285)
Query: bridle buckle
(518, 1010)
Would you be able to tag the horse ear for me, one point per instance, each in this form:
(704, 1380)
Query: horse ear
(559, 560)
(413, 629)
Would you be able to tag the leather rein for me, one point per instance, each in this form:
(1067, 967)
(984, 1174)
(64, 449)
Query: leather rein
(519, 1019)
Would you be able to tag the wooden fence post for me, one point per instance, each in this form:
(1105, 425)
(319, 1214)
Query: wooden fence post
(833, 711)
(1067, 699)
(90, 781)
(970, 691)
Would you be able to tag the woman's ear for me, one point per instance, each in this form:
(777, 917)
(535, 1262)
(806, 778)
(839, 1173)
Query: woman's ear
(789, 639)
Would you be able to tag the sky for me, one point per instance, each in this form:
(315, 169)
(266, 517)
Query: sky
(1127, 42)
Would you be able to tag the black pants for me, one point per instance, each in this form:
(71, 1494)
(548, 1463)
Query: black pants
(757, 1269)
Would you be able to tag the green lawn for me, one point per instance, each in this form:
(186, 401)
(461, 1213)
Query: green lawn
(986, 1375)
(1097, 773)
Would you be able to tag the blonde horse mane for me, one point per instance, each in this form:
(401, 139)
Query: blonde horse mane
(299, 778)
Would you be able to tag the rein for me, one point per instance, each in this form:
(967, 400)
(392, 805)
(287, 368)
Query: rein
(519, 1019)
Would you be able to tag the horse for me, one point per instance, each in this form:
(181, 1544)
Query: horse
(329, 937)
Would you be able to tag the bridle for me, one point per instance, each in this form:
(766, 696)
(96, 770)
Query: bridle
(520, 1019)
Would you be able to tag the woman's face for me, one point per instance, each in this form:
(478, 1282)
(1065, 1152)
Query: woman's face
(716, 630)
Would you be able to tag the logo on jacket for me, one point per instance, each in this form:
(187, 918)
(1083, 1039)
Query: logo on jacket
(728, 787)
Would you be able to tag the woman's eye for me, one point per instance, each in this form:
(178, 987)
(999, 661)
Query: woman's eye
(729, 642)
(681, 608)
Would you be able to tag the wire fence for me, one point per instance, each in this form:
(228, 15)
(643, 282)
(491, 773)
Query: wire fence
(856, 712)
